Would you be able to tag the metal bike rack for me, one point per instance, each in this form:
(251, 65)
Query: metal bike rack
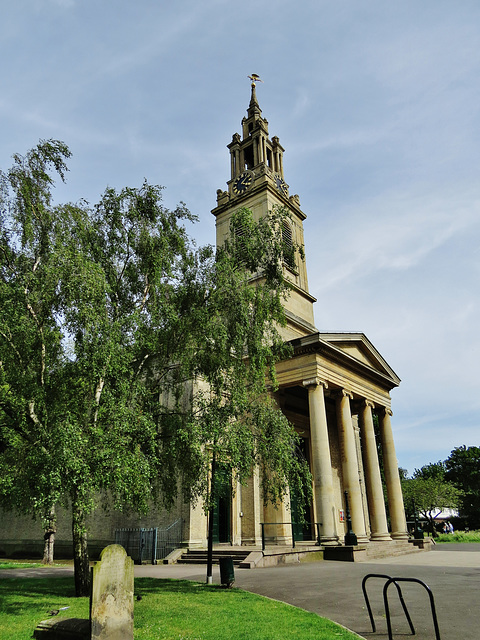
(395, 581)
(430, 595)
(402, 601)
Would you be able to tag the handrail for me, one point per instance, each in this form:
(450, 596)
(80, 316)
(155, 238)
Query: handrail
(170, 526)
(387, 609)
(367, 601)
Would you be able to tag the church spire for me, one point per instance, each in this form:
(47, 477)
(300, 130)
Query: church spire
(255, 160)
(254, 108)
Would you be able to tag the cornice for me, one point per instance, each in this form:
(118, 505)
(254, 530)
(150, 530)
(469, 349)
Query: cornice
(314, 343)
(237, 202)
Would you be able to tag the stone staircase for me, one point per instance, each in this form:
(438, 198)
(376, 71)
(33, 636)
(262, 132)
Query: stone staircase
(374, 551)
(199, 556)
(249, 558)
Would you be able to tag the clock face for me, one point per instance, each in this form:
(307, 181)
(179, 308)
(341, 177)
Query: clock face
(281, 185)
(242, 183)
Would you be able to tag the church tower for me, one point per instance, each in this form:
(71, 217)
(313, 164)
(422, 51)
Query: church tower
(334, 387)
(257, 182)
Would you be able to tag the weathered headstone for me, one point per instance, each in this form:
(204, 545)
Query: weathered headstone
(111, 603)
(111, 606)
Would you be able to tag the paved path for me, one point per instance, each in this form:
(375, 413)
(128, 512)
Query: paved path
(333, 589)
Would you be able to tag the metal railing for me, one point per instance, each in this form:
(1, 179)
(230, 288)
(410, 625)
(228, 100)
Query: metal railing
(169, 538)
(395, 581)
(292, 525)
(139, 543)
(149, 544)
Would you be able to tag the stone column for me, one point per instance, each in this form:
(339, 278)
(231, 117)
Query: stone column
(236, 536)
(373, 479)
(260, 157)
(348, 449)
(237, 163)
(252, 510)
(392, 478)
(255, 151)
(321, 462)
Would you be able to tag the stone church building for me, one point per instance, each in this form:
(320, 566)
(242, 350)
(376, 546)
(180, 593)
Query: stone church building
(335, 390)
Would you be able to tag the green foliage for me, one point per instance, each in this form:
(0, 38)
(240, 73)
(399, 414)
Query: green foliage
(434, 471)
(128, 356)
(459, 536)
(403, 473)
(168, 609)
(463, 469)
(429, 492)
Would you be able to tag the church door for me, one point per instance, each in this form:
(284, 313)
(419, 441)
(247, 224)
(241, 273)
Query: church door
(223, 505)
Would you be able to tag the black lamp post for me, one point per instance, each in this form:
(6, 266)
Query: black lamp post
(211, 514)
(350, 537)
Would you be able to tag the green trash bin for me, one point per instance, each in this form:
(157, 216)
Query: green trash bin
(227, 574)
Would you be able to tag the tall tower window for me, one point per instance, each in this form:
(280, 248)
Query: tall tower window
(288, 250)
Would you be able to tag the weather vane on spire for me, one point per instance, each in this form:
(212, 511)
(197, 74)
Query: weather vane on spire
(255, 78)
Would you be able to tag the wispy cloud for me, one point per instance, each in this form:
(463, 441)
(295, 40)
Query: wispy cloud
(394, 232)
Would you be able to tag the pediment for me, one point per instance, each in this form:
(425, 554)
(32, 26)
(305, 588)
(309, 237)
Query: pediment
(358, 347)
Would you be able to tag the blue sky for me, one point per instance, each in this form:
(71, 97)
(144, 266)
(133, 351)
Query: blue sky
(377, 106)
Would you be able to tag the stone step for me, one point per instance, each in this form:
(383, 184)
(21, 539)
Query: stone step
(370, 551)
(376, 550)
(199, 556)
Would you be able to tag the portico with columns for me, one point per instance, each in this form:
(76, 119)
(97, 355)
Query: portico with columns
(335, 388)
(342, 384)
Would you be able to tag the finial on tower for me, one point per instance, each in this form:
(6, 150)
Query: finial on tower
(255, 78)
(254, 108)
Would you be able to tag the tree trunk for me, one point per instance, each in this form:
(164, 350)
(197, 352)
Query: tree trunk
(80, 551)
(50, 530)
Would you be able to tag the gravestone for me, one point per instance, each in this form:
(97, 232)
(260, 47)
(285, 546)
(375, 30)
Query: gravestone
(111, 603)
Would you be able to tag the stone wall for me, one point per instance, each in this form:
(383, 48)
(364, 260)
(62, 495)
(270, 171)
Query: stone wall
(21, 536)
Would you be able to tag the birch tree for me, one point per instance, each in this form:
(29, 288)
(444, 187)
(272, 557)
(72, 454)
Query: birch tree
(107, 312)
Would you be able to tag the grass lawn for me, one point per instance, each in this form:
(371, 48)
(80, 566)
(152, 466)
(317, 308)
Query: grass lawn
(459, 536)
(19, 565)
(30, 564)
(169, 609)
